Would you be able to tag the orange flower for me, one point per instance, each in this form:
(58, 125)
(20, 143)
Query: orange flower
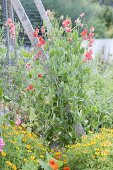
(36, 32)
(30, 87)
(53, 164)
(43, 30)
(66, 168)
(41, 42)
(40, 75)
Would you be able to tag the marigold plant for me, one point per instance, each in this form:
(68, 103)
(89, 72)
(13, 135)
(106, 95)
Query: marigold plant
(95, 151)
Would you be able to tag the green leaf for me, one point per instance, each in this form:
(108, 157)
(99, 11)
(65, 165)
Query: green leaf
(1, 92)
(6, 99)
(3, 50)
(26, 54)
(11, 122)
(29, 129)
(44, 165)
(24, 125)
(49, 157)
(32, 114)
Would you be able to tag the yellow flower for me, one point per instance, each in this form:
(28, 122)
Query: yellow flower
(14, 167)
(97, 153)
(94, 157)
(29, 135)
(17, 133)
(29, 151)
(8, 163)
(24, 132)
(106, 144)
(42, 156)
(105, 152)
(3, 153)
(36, 160)
(97, 149)
(24, 140)
(32, 157)
(25, 160)
(28, 146)
(17, 148)
(65, 161)
(19, 127)
(58, 153)
(85, 151)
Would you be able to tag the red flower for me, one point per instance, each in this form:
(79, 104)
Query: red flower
(53, 164)
(88, 55)
(41, 41)
(66, 168)
(43, 30)
(35, 34)
(67, 29)
(38, 55)
(91, 35)
(66, 23)
(84, 33)
(30, 87)
(40, 75)
(91, 42)
(11, 26)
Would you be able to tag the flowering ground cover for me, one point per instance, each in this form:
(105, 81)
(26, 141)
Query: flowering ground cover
(24, 150)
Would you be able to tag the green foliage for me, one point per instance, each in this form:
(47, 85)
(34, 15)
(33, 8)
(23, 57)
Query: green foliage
(99, 109)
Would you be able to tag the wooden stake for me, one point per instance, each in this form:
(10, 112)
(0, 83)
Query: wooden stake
(27, 25)
(43, 14)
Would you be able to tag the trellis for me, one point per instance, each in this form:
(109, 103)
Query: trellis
(9, 6)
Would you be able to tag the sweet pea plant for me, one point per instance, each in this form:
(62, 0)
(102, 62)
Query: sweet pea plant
(49, 98)
(55, 94)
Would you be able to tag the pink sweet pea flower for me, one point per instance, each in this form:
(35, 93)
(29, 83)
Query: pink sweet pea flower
(67, 29)
(78, 21)
(36, 57)
(9, 21)
(28, 66)
(11, 26)
(43, 30)
(18, 121)
(2, 144)
(66, 23)
(88, 55)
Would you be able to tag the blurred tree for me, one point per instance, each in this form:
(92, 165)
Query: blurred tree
(104, 2)
(72, 8)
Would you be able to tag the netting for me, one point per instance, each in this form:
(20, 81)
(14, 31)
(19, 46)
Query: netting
(32, 13)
